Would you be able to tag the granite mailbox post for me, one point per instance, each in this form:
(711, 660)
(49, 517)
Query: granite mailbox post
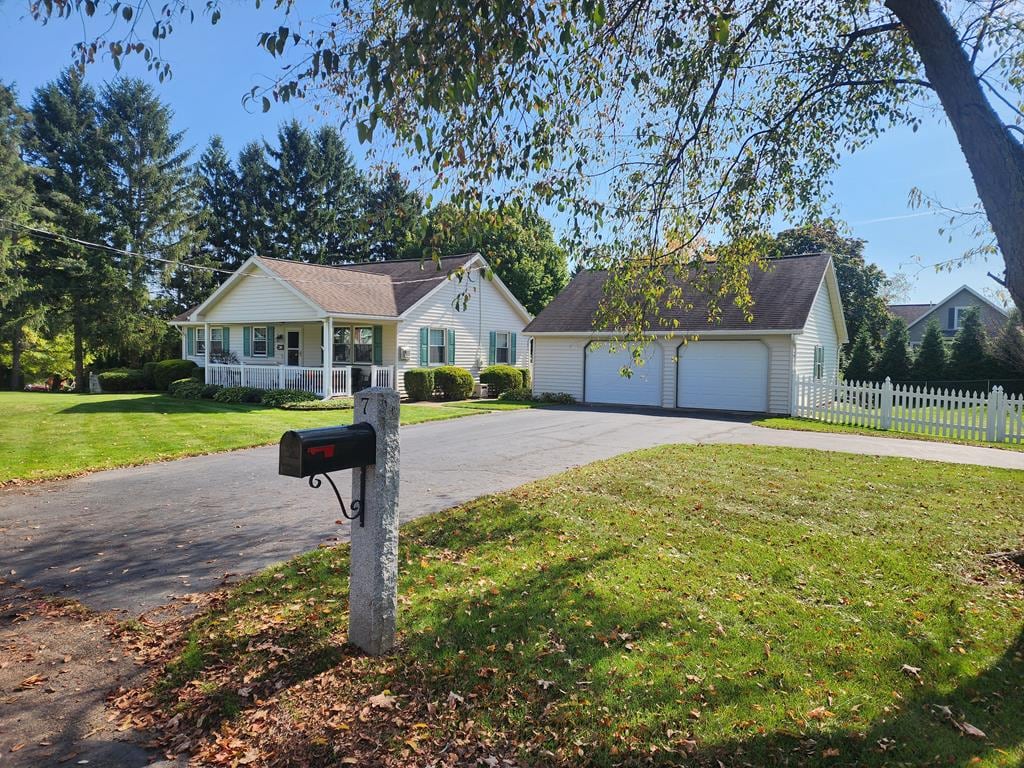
(370, 449)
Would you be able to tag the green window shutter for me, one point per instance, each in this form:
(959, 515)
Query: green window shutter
(451, 347)
(191, 335)
(226, 335)
(491, 350)
(247, 341)
(424, 346)
(512, 350)
(271, 348)
(378, 344)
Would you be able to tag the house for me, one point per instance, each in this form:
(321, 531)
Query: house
(269, 323)
(734, 365)
(949, 312)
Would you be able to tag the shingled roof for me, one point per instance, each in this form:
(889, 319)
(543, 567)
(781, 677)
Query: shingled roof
(910, 312)
(385, 288)
(782, 296)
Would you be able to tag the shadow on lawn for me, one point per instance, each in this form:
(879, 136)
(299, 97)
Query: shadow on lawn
(157, 403)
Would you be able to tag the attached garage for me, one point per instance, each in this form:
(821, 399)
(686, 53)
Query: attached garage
(734, 360)
(606, 384)
(723, 375)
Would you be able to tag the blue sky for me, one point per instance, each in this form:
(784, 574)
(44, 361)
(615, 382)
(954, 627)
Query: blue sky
(215, 66)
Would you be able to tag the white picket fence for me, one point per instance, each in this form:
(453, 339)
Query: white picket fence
(992, 416)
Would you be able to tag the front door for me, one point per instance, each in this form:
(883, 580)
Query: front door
(294, 347)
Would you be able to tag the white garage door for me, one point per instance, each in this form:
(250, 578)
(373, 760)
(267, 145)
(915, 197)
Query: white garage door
(606, 384)
(723, 376)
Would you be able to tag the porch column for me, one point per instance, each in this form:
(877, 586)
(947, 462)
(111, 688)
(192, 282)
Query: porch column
(328, 357)
(206, 353)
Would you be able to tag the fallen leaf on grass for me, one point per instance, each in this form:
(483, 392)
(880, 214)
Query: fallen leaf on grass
(830, 752)
(820, 713)
(969, 730)
(383, 700)
(914, 672)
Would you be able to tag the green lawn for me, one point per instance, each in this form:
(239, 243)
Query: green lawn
(675, 606)
(812, 425)
(45, 435)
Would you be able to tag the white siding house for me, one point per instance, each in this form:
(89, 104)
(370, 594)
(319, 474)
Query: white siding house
(734, 365)
(270, 323)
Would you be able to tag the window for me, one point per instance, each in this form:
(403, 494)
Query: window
(958, 316)
(259, 341)
(343, 345)
(438, 347)
(502, 353)
(363, 347)
(819, 362)
(200, 341)
(216, 341)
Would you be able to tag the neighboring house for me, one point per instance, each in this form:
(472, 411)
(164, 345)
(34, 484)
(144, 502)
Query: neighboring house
(734, 365)
(269, 323)
(949, 312)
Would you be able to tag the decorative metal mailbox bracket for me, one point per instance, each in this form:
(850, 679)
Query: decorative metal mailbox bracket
(357, 504)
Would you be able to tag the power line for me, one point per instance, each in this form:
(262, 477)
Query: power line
(61, 237)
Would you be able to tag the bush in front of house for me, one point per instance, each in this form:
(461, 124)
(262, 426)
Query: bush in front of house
(419, 383)
(239, 395)
(209, 390)
(167, 371)
(147, 374)
(517, 395)
(557, 398)
(123, 380)
(500, 378)
(186, 389)
(453, 382)
(199, 374)
(334, 404)
(275, 398)
(527, 382)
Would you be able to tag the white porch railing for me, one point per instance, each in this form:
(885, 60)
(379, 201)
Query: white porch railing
(992, 416)
(306, 378)
(382, 376)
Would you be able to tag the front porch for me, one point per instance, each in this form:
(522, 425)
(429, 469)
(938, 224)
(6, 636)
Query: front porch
(343, 380)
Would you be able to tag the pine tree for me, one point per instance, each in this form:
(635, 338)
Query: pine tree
(1008, 346)
(339, 224)
(18, 209)
(969, 359)
(894, 360)
(148, 207)
(66, 145)
(393, 216)
(254, 200)
(296, 191)
(930, 362)
(861, 364)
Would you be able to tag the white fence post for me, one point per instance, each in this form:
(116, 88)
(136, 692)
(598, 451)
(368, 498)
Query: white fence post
(887, 403)
(996, 411)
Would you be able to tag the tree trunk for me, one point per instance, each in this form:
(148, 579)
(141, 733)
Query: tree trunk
(81, 383)
(994, 157)
(17, 345)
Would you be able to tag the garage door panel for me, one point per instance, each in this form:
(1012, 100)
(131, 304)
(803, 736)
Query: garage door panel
(606, 384)
(723, 375)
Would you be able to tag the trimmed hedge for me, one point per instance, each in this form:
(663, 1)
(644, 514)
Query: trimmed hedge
(559, 398)
(199, 374)
(278, 397)
(239, 395)
(186, 389)
(147, 373)
(335, 404)
(209, 390)
(167, 371)
(525, 372)
(517, 394)
(419, 383)
(123, 380)
(500, 378)
(453, 382)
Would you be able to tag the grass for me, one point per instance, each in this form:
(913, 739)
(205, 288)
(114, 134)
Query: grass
(44, 435)
(678, 605)
(812, 425)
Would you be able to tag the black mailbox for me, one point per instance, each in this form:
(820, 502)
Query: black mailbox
(308, 452)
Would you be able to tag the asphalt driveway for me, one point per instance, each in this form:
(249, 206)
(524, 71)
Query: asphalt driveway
(131, 539)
